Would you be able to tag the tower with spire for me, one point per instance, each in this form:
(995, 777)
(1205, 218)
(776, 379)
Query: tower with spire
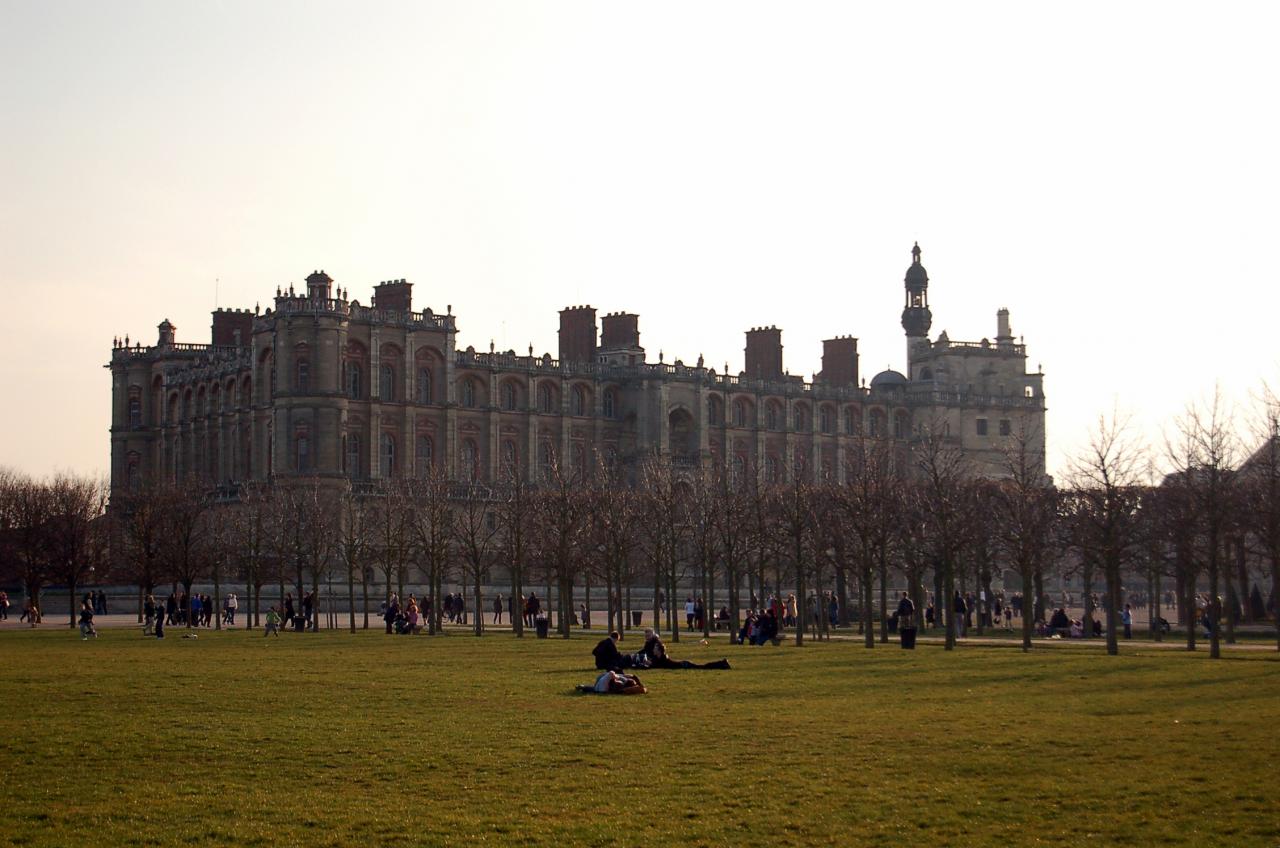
(916, 317)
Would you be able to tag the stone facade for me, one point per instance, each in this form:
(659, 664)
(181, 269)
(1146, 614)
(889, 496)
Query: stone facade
(319, 384)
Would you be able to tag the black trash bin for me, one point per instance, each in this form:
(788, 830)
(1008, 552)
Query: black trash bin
(637, 618)
(908, 635)
(542, 625)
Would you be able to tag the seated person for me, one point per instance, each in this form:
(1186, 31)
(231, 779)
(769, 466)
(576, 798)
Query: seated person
(619, 683)
(1059, 623)
(747, 630)
(656, 654)
(607, 655)
(1076, 631)
(1097, 627)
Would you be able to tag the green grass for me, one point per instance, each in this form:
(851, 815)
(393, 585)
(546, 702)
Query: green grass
(332, 739)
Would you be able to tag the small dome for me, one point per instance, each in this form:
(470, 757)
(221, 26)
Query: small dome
(888, 380)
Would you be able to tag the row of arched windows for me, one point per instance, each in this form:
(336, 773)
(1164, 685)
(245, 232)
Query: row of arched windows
(743, 415)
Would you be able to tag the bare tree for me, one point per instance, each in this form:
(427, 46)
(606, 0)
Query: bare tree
(1026, 509)
(354, 535)
(562, 523)
(476, 538)
(1261, 483)
(26, 509)
(616, 512)
(139, 517)
(942, 501)
(1204, 457)
(76, 532)
(1107, 481)
(429, 524)
(516, 508)
(252, 522)
(186, 535)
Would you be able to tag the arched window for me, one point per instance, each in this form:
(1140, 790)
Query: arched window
(579, 400)
(468, 398)
(610, 403)
(545, 398)
(353, 380)
(509, 458)
(579, 454)
(509, 396)
(353, 455)
(387, 382)
(387, 455)
(877, 424)
(851, 419)
(771, 416)
(424, 385)
(800, 465)
(131, 475)
(548, 459)
(740, 413)
(303, 444)
(302, 380)
(900, 426)
(424, 457)
(739, 468)
(715, 411)
(801, 419)
(827, 420)
(772, 469)
(469, 465)
(186, 406)
(135, 412)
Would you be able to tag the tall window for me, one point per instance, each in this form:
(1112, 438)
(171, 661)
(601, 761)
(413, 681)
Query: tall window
(579, 400)
(135, 412)
(850, 421)
(468, 393)
(801, 419)
(303, 444)
(827, 420)
(470, 466)
(424, 385)
(509, 396)
(610, 403)
(771, 416)
(353, 380)
(877, 424)
(387, 382)
(424, 456)
(544, 398)
(509, 458)
(303, 379)
(715, 411)
(739, 413)
(387, 455)
(580, 461)
(353, 455)
(548, 460)
(772, 469)
(900, 425)
(739, 468)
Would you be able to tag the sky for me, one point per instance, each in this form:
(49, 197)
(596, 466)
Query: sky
(1106, 171)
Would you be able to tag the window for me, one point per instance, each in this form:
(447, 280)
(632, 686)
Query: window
(303, 444)
(468, 398)
(799, 465)
(771, 416)
(982, 426)
(353, 455)
(548, 460)
(509, 458)
(610, 403)
(715, 411)
(579, 400)
(878, 424)
(353, 380)
(579, 461)
(387, 455)
(827, 420)
(545, 398)
(1005, 427)
(801, 419)
(739, 413)
(131, 476)
(386, 382)
(900, 427)
(739, 468)
(424, 385)
(509, 396)
(469, 466)
(772, 469)
(135, 412)
(302, 379)
(423, 456)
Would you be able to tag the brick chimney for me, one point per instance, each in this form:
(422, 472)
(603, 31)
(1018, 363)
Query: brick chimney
(840, 361)
(764, 353)
(232, 327)
(395, 295)
(578, 334)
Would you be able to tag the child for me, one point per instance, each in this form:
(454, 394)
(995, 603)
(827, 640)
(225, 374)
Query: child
(273, 622)
(86, 621)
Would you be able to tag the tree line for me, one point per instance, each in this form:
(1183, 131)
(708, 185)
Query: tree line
(1125, 519)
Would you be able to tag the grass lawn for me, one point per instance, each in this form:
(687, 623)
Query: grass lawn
(333, 739)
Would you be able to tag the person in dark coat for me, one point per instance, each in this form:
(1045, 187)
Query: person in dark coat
(656, 653)
(607, 655)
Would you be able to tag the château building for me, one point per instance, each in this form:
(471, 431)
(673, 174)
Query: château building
(320, 384)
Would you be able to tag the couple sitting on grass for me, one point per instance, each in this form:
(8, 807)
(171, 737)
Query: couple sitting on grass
(652, 655)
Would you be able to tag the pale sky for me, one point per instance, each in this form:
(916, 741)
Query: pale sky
(1107, 171)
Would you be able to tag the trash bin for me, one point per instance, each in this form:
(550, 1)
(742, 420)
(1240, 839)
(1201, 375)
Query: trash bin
(637, 618)
(542, 625)
(908, 635)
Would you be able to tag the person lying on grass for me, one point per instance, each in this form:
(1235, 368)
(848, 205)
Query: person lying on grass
(617, 683)
(655, 655)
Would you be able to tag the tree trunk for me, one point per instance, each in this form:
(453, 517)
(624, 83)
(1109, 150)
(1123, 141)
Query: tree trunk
(1028, 578)
(947, 607)
(1113, 593)
(884, 595)
(479, 629)
(217, 599)
(1190, 602)
(71, 603)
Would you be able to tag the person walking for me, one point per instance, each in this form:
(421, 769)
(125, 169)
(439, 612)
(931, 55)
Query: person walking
(86, 621)
(959, 609)
(689, 610)
(149, 612)
(1127, 619)
(4, 606)
(497, 609)
(273, 623)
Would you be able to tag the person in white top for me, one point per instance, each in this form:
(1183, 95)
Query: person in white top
(689, 611)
